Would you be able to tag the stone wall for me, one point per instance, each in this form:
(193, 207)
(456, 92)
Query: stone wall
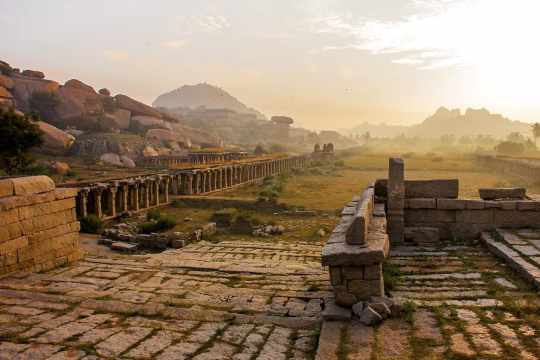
(467, 218)
(38, 225)
(356, 250)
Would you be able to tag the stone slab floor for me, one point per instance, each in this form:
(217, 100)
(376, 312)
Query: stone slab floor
(262, 299)
(468, 305)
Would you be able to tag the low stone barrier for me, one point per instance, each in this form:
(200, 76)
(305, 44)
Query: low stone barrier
(38, 225)
(356, 250)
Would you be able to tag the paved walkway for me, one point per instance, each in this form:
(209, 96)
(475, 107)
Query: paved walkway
(232, 300)
(469, 306)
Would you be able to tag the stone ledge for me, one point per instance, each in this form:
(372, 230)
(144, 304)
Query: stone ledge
(338, 253)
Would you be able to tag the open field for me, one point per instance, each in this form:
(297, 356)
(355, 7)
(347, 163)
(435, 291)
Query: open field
(329, 188)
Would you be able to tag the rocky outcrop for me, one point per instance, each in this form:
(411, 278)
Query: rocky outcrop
(59, 167)
(24, 87)
(149, 151)
(104, 92)
(55, 141)
(6, 82)
(142, 123)
(34, 74)
(117, 160)
(136, 107)
(79, 105)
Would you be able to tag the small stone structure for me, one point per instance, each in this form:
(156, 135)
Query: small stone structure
(356, 250)
(109, 199)
(327, 151)
(38, 225)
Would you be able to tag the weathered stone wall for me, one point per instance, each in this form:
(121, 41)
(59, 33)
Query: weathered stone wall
(467, 218)
(356, 250)
(38, 225)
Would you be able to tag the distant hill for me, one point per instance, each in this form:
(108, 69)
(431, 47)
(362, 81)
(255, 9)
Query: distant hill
(203, 96)
(472, 122)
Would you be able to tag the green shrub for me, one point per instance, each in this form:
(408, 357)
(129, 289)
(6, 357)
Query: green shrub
(224, 217)
(91, 224)
(339, 163)
(153, 214)
(164, 223)
(245, 223)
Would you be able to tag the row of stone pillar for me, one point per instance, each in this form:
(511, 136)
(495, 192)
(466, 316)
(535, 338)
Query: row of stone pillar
(108, 200)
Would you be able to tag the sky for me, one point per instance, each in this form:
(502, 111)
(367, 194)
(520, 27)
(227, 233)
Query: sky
(328, 64)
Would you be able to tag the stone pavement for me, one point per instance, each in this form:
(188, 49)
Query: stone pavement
(231, 300)
(468, 305)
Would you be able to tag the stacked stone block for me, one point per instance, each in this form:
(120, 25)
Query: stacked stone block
(38, 225)
(356, 250)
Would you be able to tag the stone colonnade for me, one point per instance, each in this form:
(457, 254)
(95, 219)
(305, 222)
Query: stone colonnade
(108, 200)
(195, 158)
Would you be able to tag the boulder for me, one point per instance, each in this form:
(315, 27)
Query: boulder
(111, 158)
(149, 151)
(127, 161)
(24, 87)
(5, 94)
(79, 105)
(121, 118)
(382, 309)
(6, 82)
(370, 317)
(59, 167)
(136, 107)
(162, 135)
(34, 74)
(104, 92)
(141, 122)
(55, 141)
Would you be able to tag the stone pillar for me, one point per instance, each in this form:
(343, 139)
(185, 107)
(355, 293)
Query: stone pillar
(136, 205)
(97, 201)
(196, 179)
(204, 180)
(174, 184)
(83, 203)
(146, 194)
(166, 188)
(125, 194)
(396, 200)
(156, 184)
(112, 201)
(189, 184)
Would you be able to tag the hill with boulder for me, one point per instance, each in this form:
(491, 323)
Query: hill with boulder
(450, 122)
(203, 96)
(78, 120)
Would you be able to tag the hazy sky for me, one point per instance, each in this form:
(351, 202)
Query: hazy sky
(329, 64)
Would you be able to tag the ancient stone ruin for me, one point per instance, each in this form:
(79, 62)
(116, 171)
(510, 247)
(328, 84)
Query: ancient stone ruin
(38, 225)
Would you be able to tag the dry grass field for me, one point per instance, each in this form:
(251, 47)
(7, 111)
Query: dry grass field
(330, 187)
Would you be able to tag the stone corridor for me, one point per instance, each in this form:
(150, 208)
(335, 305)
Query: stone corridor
(262, 300)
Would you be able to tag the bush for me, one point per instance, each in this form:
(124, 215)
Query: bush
(510, 148)
(91, 224)
(224, 217)
(164, 223)
(153, 214)
(245, 223)
(339, 163)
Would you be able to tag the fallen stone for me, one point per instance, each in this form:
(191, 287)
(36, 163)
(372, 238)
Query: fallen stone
(502, 193)
(123, 247)
(177, 243)
(333, 312)
(358, 308)
(382, 309)
(370, 317)
(505, 283)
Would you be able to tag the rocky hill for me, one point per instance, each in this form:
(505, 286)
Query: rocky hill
(77, 118)
(471, 123)
(203, 96)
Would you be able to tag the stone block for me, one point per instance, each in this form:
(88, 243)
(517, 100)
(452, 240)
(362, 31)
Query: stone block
(396, 199)
(515, 218)
(333, 312)
(32, 185)
(370, 317)
(508, 204)
(429, 216)
(64, 193)
(450, 204)
(421, 203)
(364, 289)
(475, 204)
(335, 275)
(353, 272)
(425, 236)
(475, 216)
(440, 189)
(528, 205)
(13, 245)
(10, 231)
(502, 193)
(6, 188)
(373, 272)
(343, 297)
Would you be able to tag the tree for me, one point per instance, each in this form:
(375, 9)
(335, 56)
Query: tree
(536, 131)
(19, 133)
(516, 137)
(510, 148)
(259, 150)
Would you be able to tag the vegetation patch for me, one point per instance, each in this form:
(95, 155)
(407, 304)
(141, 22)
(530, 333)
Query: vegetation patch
(91, 224)
(156, 223)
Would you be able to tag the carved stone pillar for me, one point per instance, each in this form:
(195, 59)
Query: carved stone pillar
(136, 205)
(156, 184)
(83, 202)
(96, 193)
(112, 201)
(125, 194)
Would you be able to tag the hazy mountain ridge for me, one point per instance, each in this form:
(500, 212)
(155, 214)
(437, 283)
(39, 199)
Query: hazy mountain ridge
(444, 121)
(203, 96)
